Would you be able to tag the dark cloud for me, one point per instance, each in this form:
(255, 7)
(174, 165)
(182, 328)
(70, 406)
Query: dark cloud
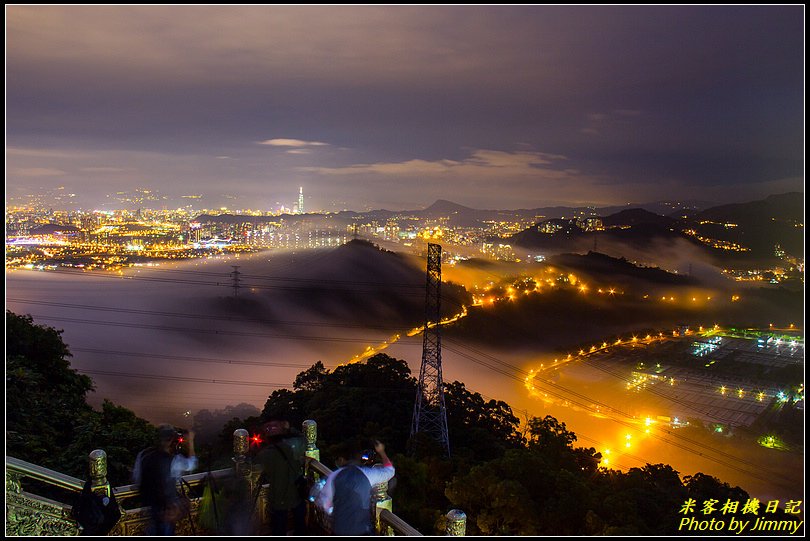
(646, 98)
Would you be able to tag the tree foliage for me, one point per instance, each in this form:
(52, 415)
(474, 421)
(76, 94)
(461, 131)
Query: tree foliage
(48, 419)
(375, 397)
(116, 430)
(480, 430)
(45, 398)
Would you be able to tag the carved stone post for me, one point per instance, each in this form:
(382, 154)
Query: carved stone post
(241, 445)
(456, 522)
(310, 429)
(97, 461)
(381, 500)
(244, 482)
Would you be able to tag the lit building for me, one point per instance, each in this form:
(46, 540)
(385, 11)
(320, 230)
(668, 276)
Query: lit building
(590, 224)
(502, 252)
(391, 231)
(554, 225)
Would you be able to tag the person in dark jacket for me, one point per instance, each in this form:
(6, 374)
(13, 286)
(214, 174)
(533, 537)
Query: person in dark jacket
(156, 472)
(282, 461)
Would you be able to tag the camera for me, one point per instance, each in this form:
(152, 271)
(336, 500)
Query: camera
(179, 440)
(368, 456)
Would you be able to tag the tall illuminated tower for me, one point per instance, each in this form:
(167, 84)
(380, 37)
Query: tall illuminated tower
(300, 200)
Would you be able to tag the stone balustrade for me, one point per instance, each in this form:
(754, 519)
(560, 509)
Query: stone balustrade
(31, 514)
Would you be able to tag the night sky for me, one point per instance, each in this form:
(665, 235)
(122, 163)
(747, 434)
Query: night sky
(394, 107)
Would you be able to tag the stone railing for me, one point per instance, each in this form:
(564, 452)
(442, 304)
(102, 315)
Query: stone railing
(31, 514)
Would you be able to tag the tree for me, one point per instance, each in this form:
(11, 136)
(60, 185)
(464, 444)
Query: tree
(208, 424)
(703, 487)
(549, 433)
(503, 496)
(483, 429)
(45, 398)
(48, 420)
(642, 501)
(376, 395)
(119, 432)
(312, 378)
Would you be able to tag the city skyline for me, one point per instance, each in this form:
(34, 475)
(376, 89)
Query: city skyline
(395, 107)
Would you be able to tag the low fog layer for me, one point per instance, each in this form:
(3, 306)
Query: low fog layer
(201, 344)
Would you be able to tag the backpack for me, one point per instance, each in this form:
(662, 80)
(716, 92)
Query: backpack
(96, 514)
(301, 483)
(352, 502)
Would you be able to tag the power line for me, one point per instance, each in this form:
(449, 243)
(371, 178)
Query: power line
(219, 396)
(680, 402)
(197, 316)
(185, 358)
(606, 406)
(627, 424)
(499, 370)
(584, 397)
(220, 381)
(296, 279)
(478, 361)
(182, 378)
(316, 257)
(652, 390)
(506, 368)
(579, 436)
(353, 290)
(203, 331)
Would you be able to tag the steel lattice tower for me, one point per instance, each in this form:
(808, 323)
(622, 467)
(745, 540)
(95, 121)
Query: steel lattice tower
(235, 275)
(429, 413)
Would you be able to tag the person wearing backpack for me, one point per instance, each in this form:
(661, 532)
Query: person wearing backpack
(346, 496)
(282, 461)
(157, 471)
